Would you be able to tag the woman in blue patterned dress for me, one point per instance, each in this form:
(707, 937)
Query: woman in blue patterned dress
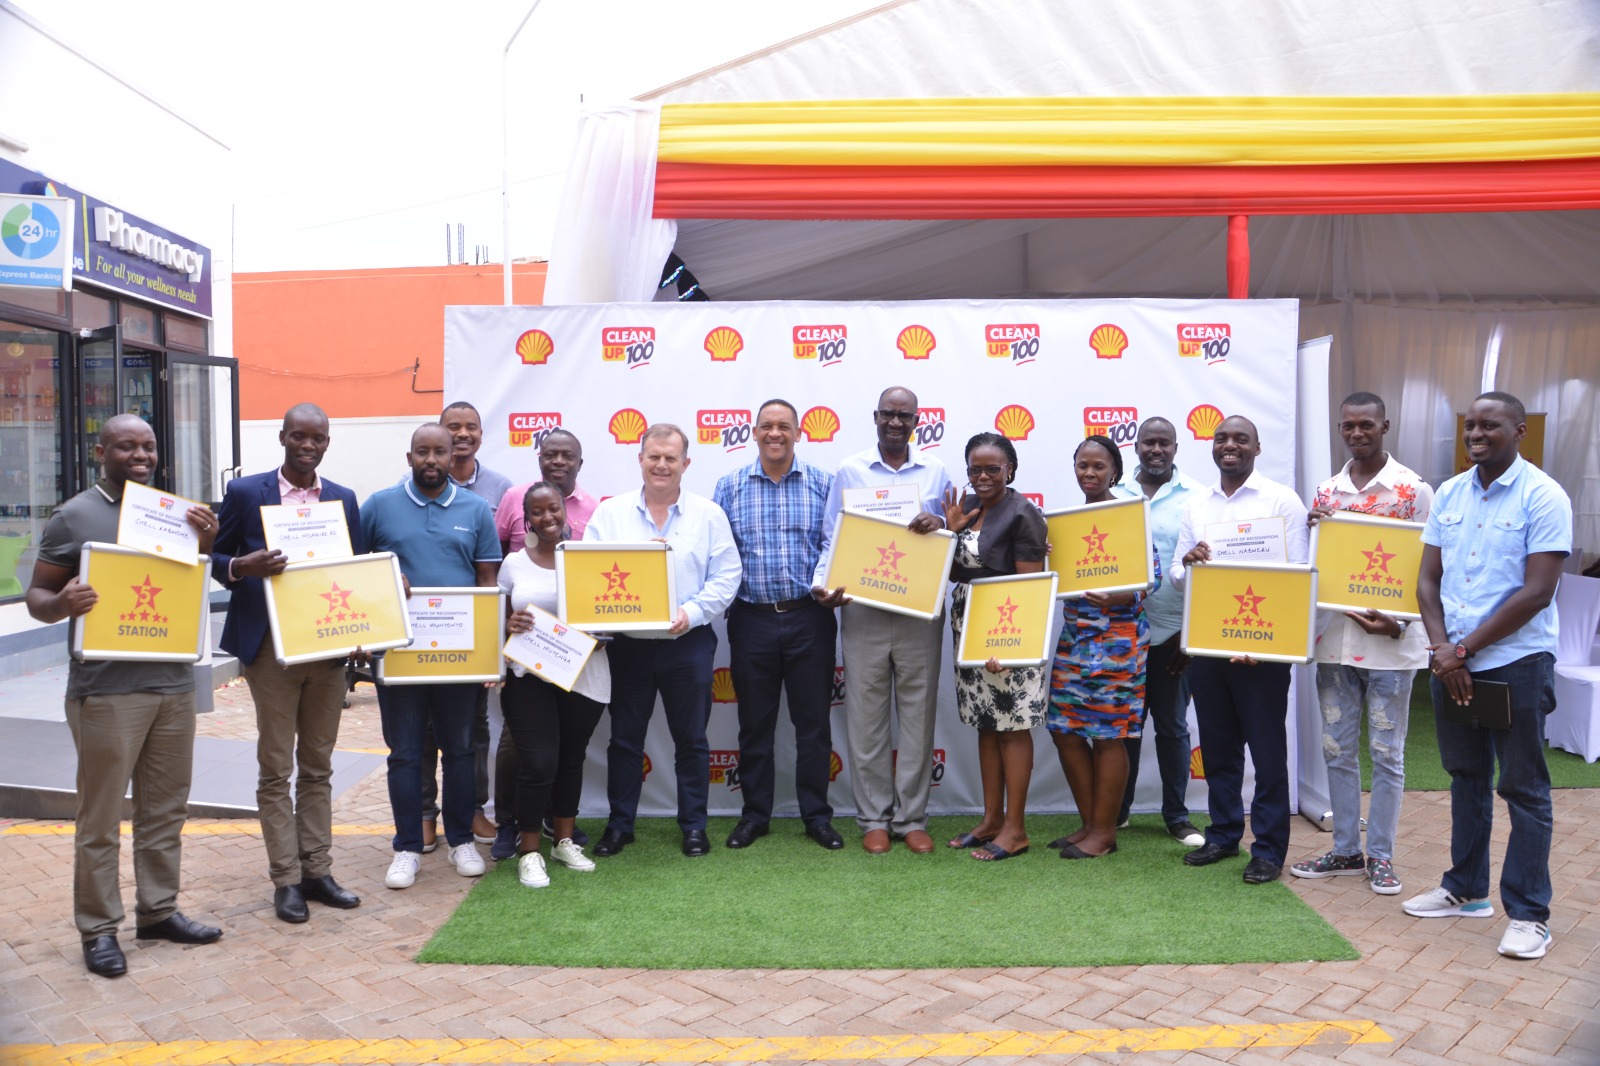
(1097, 681)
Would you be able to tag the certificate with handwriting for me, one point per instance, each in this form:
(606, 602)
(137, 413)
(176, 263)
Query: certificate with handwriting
(305, 531)
(155, 522)
(552, 649)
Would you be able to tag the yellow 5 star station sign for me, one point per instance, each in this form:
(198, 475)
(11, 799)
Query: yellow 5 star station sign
(1367, 562)
(1008, 619)
(1101, 547)
(459, 633)
(329, 608)
(881, 563)
(151, 609)
(1263, 610)
(615, 588)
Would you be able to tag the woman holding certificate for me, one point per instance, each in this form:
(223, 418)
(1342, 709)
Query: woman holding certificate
(550, 727)
(1097, 682)
(998, 532)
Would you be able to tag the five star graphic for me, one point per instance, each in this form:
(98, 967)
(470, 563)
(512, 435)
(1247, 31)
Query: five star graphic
(888, 561)
(1377, 558)
(144, 603)
(1250, 603)
(617, 584)
(339, 608)
(1096, 539)
(1008, 620)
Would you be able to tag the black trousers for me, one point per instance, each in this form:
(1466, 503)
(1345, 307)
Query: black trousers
(550, 731)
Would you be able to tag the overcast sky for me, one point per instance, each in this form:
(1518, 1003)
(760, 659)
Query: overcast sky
(360, 129)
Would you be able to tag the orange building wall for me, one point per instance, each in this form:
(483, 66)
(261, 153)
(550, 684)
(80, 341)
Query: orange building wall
(347, 339)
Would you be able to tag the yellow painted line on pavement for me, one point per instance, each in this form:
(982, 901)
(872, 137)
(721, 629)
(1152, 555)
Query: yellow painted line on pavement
(199, 829)
(696, 1049)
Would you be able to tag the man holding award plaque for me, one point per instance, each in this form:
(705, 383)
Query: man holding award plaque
(129, 721)
(297, 707)
(885, 652)
(1241, 703)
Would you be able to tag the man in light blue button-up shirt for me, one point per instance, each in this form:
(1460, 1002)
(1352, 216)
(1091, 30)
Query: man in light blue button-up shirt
(1492, 555)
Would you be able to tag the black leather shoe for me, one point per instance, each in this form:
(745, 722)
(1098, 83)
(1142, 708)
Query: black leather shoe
(103, 955)
(696, 843)
(290, 904)
(1208, 853)
(611, 843)
(745, 833)
(180, 930)
(1261, 872)
(825, 834)
(326, 890)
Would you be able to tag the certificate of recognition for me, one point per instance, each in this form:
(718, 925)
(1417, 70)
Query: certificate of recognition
(1264, 610)
(616, 588)
(881, 563)
(1365, 561)
(552, 649)
(328, 608)
(1101, 547)
(1008, 619)
(899, 502)
(305, 531)
(150, 610)
(154, 522)
(1252, 540)
(458, 633)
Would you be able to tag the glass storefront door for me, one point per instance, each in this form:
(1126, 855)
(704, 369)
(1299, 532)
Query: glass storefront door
(201, 451)
(30, 446)
(98, 353)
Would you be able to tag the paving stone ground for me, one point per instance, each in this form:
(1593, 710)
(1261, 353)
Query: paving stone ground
(1438, 988)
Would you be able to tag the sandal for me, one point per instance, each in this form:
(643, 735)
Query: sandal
(1072, 851)
(992, 852)
(968, 840)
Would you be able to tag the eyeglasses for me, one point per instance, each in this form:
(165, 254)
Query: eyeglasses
(985, 471)
(902, 417)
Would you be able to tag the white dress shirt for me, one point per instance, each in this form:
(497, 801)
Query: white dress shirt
(868, 470)
(1258, 498)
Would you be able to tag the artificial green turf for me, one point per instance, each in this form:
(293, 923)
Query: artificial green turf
(785, 903)
(1425, 774)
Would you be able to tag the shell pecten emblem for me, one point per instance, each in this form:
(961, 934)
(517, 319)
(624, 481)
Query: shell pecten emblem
(915, 342)
(1014, 422)
(535, 347)
(722, 686)
(724, 344)
(1203, 421)
(627, 426)
(1108, 341)
(819, 424)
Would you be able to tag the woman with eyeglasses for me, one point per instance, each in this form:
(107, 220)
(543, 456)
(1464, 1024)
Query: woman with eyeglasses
(998, 533)
(1097, 681)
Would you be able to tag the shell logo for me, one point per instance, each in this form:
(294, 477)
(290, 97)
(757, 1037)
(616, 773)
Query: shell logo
(1014, 422)
(1197, 766)
(835, 766)
(819, 424)
(627, 426)
(648, 766)
(915, 342)
(724, 344)
(722, 686)
(535, 347)
(1108, 341)
(1203, 421)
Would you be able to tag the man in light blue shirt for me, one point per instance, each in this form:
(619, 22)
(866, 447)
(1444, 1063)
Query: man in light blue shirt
(882, 648)
(676, 663)
(1492, 554)
(1158, 479)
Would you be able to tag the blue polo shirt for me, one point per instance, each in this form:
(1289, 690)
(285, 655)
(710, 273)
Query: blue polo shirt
(1484, 536)
(438, 541)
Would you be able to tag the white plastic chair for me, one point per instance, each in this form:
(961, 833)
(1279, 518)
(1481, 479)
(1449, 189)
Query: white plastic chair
(1575, 723)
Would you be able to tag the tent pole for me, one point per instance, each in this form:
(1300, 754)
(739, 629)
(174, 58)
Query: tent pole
(1238, 257)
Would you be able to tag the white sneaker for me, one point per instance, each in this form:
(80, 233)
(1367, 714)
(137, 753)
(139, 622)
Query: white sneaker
(403, 870)
(571, 856)
(1526, 940)
(531, 871)
(466, 860)
(1437, 903)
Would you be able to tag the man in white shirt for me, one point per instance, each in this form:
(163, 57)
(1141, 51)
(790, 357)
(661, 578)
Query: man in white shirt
(1366, 657)
(883, 649)
(677, 662)
(1241, 703)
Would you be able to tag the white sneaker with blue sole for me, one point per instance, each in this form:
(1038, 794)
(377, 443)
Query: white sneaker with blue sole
(1438, 903)
(1526, 940)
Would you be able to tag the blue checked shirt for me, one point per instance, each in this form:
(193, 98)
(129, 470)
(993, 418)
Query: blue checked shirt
(778, 527)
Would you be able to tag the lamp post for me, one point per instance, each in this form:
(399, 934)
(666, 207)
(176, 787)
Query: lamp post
(505, 150)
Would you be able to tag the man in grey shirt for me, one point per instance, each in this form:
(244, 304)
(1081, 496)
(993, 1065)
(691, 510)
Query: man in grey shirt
(129, 721)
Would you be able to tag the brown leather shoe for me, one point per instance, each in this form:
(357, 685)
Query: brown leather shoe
(876, 841)
(919, 841)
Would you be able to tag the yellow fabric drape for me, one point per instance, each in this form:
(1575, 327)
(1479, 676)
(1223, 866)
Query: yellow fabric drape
(1136, 131)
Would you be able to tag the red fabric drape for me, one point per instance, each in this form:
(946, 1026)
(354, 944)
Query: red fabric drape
(1239, 257)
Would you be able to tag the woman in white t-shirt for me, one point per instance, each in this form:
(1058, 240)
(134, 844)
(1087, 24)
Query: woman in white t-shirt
(550, 728)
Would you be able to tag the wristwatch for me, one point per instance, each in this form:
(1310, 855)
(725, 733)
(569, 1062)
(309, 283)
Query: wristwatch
(1404, 625)
(1462, 652)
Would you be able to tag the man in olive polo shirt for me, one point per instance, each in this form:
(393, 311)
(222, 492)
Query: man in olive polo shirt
(129, 721)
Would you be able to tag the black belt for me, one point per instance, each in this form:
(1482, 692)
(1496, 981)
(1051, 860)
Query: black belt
(781, 607)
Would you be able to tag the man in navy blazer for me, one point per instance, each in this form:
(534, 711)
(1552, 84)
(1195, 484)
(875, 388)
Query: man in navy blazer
(297, 707)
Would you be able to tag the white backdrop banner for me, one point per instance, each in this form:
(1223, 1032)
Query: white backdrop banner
(1042, 373)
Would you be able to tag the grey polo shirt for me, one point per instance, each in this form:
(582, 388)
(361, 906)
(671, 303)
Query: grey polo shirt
(92, 515)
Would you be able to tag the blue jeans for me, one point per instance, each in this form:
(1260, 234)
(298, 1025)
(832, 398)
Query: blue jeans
(1470, 755)
(1342, 691)
(1166, 699)
(407, 712)
(680, 671)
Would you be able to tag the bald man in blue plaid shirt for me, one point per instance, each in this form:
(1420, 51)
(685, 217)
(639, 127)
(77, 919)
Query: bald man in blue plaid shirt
(778, 635)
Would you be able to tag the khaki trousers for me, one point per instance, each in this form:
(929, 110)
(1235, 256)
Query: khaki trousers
(146, 738)
(297, 724)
